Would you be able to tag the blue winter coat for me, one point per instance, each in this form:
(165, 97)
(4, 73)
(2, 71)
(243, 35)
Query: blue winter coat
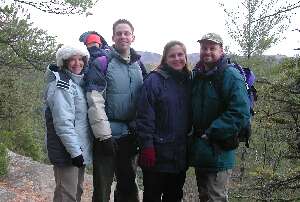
(219, 118)
(163, 120)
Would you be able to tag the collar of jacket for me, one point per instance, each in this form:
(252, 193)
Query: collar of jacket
(50, 76)
(76, 78)
(199, 69)
(134, 56)
(163, 73)
(166, 72)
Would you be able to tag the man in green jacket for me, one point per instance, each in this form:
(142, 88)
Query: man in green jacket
(220, 110)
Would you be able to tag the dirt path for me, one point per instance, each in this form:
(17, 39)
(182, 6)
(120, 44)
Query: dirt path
(30, 181)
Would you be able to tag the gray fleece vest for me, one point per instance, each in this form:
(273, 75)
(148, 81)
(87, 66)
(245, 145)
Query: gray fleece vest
(123, 85)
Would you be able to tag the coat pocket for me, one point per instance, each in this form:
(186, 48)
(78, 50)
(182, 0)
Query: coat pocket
(200, 153)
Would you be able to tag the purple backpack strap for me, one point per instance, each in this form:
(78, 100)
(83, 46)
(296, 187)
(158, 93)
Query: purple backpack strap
(102, 63)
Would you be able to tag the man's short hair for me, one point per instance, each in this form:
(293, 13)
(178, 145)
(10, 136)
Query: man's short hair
(122, 21)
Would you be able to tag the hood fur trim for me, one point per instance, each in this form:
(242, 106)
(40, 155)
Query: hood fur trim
(67, 51)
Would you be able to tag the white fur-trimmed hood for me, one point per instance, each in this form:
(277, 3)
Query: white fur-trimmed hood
(67, 51)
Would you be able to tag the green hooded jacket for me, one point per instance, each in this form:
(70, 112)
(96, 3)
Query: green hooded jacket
(218, 117)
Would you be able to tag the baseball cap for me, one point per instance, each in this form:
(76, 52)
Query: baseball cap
(211, 37)
(93, 38)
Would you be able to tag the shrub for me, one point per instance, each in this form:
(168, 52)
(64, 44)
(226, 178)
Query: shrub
(3, 160)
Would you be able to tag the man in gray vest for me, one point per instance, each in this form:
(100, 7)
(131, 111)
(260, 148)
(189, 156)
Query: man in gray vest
(112, 91)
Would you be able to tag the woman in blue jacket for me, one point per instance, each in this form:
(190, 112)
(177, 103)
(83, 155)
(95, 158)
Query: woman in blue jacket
(69, 141)
(163, 122)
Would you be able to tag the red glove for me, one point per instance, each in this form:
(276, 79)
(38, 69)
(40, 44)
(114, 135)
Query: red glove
(147, 157)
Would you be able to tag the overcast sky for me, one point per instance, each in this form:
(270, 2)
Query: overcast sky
(156, 22)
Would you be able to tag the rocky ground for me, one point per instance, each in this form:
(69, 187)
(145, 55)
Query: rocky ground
(31, 181)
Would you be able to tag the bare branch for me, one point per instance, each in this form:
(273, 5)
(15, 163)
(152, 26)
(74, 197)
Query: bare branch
(59, 7)
(291, 7)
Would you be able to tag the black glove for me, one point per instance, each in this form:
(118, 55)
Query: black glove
(132, 127)
(78, 161)
(108, 147)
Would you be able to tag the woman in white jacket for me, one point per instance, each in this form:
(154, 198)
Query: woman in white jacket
(69, 141)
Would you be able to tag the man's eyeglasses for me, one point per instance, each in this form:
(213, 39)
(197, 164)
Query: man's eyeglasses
(127, 33)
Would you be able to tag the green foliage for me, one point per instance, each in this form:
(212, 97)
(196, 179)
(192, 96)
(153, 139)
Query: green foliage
(248, 25)
(84, 4)
(23, 45)
(270, 170)
(27, 140)
(21, 119)
(6, 138)
(3, 160)
(24, 50)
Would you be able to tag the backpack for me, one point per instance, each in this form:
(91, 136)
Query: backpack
(249, 78)
(105, 59)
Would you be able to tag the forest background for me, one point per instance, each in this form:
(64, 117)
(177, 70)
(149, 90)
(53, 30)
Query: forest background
(267, 171)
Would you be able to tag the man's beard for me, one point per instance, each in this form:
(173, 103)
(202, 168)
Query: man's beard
(210, 64)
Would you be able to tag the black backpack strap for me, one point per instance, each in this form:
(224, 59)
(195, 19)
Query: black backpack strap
(143, 68)
(217, 83)
(141, 65)
(254, 92)
(217, 80)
